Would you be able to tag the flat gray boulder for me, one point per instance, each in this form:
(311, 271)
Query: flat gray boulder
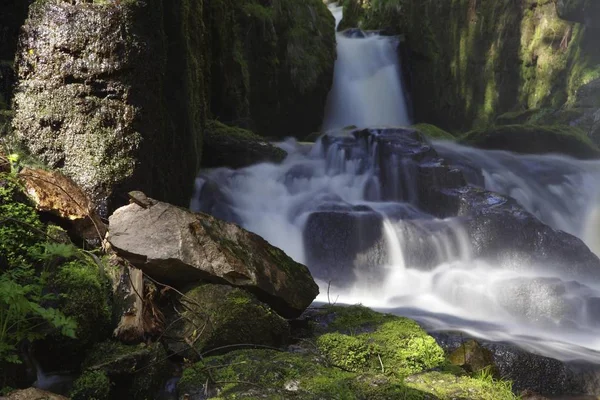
(179, 247)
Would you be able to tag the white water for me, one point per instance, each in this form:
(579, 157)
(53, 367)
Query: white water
(424, 268)
(366, 90)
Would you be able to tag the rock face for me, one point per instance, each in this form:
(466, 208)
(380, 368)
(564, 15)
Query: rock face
(102, 96)
(463, 54)
(178, 246)
(583, 11)
(88, 99)
(213, 316)
(534, 139)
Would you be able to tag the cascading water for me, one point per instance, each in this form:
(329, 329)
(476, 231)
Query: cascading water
(366, 90)
(359, 209)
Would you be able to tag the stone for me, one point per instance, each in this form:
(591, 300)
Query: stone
(91, 99)
(226, 146)
(32, 394)
(137, 372)
(213, 316)
(54, 193)
(534, 139)
(474, 358)
(174, 245)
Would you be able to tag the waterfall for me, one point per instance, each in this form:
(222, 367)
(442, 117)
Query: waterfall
(367, 89)
(351, 207)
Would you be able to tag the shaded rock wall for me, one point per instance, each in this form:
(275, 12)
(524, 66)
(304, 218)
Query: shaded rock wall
(473, 60)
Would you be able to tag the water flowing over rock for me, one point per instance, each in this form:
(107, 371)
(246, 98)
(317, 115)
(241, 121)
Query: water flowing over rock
(175, 245)
(387, 218)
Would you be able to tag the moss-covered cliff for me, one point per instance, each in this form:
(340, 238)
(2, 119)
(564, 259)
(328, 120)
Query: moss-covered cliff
(272, 64)
(474, 60)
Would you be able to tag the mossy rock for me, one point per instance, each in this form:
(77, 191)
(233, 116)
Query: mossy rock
(313, 369)
(215, 316)
(366, 341)
(541, 116)
(448, 386)
(229, 146)
(464, 53)
(474, 358)
(91, 385)
(135, 372)
(252, 374)
(433, 132)
(84, 295)
(533, 139)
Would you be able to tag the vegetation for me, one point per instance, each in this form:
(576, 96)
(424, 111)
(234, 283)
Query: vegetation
(27, 310)
(353, 353)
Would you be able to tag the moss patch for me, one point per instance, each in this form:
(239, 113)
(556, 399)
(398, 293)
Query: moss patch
(534, 139)
(92, 385)
(219, 315)
(334, 362)
(230, 146)
(433, 132)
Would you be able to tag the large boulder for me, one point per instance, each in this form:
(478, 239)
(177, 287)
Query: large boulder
(175, 245)
(215, 316)
(91, 81)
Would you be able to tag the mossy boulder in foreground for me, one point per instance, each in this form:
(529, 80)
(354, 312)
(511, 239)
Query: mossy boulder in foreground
(350, 353)
(534, 139)
(213, 316)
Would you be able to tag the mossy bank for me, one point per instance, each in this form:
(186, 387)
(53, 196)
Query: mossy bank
(344, 353)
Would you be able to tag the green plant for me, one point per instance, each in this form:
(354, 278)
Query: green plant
(92, 385)
(22, 316)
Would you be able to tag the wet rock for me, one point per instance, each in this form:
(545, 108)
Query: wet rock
(341, 243)
(473, 358)
(212, 316)
(526, 370)
(175, 245)
(583, 11)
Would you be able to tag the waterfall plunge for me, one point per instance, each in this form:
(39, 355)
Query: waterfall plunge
(367, 89)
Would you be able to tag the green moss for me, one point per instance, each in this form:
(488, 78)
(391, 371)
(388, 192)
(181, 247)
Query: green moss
(445, 386)
(534, 139)
(19, 222)
(219, 315)
(140, 370)
(279, 375)
(84, 295)
(465, 53)
(398, 347)
(433, 132)
(92, 385)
